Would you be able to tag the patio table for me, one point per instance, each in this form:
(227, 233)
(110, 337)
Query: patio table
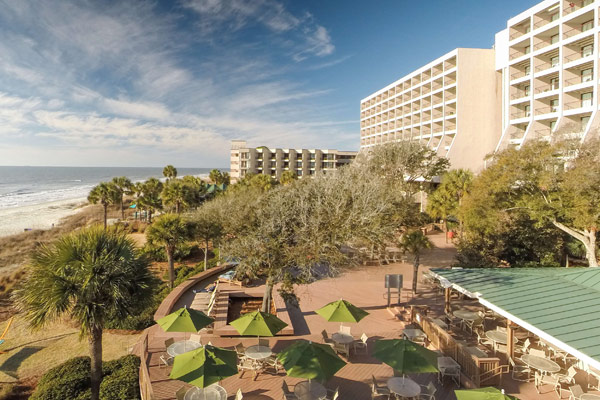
(258, 352)
(404, 387)
(182, 346)
(212, 392)
(446, 363)
(342, 338)
(540, 363)
(477, 352)
(499, 337)
(413, 334)
(466, 315)
(310, 390)
(589, 396)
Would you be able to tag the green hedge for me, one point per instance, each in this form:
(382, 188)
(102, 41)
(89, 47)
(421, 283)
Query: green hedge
(71, 380)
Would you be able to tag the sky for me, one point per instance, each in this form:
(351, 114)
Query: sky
(150, 83)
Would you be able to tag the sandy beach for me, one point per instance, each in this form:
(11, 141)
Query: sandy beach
(39, 216)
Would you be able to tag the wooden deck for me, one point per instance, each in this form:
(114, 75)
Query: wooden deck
(363, 287)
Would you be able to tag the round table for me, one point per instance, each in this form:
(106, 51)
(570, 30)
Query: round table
(212, 392)
(589, 396)
(466, 315)
(310, 390)
(499, 337)
(258, 352)
(540, 363)
(404, 387)
(183, 346)
(342, 338)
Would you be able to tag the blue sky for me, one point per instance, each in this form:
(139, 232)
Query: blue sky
(149, 83)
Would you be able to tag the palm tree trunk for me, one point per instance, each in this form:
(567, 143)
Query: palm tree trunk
(446, 229)
(177, 207)
(171, 267)
(122, 210)
(149, 216)
(206, 254)
(267, 296)
(105, 206)
(415, 273)
(95, 342)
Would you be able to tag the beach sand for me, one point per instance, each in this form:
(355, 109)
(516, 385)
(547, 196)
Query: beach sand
(39, 216)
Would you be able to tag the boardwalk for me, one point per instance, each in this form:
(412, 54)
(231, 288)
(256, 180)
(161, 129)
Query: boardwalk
(363, 287)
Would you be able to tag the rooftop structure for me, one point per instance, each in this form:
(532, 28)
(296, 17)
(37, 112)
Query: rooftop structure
(451, 104)
(264, 160)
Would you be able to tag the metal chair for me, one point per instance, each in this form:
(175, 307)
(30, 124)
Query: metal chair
(287, 395)
(345, 330)
(541, 380)
(239, 395)
(569, 378)
(525, 348)
(361, 344)
(575, 392)
(194, 337)
(428, 392)
(342, 348)
(520, 371)
(263, 342)
(537, 353)
(378, 391)
(248, 364)
(169, 342)
(180, 394)
(325, 336)
(333, 394)
(478, 323)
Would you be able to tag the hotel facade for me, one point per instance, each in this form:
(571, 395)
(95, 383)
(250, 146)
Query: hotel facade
(273, 162)
(540, 77)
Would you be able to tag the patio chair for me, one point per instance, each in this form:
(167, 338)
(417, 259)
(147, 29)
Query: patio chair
(552, 380)
(342, 349)
(345, 330)
(453, 373)
(287, 395)
(575, 392)
(180, 393)
(326, 338)
(569, 378)
(169, 342)
(194, 337)
(483, 340)
(263, 342)
(524, 348)
(537, 353)
(247, 364)
(240, 350)
(272, 362)
(520, 371)
(333, 394)
(428, 391)
(478, 323)
(361, 344)
(379, 391)
(239, 395)
(165, 361)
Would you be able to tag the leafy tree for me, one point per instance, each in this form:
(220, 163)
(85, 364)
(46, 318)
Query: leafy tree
(170, 231)
(122, 186)
(287, 177)
(104, 193)
(170, 172)
(446, 200)
(219, 177)
(415, 242)
(87, 276)
(554, 182)
(195, 190)
(148, 196)
(176, 194)
(258, 181)
(206, 227)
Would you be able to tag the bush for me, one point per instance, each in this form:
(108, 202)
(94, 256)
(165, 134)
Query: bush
(157, 253)
(71, 380)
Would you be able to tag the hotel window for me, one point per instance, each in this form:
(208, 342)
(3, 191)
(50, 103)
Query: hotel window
(554, 61)
(299, 172)
(554, 17)
(527, 110)
(554, 39)
(527, 90)
(553, 83)
(586, 99)
(527, 49)
(586, 74)
(586, 26)
(587, 51)
(554, 105)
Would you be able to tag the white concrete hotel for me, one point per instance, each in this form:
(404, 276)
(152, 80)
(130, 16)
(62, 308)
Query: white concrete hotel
(541, 76)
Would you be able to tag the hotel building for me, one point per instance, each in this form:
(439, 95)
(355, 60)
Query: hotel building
(264, 160)
(451, 104)
(548, 58)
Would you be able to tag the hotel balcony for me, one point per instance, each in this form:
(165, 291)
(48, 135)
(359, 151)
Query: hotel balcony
(546, 88)
(579, 106)
(546, 16)
(576, 5)
(547, 38)
(579, 25)
(520, 29)
(546, 111)
(520, 72)
(519, 50)
(579, 83)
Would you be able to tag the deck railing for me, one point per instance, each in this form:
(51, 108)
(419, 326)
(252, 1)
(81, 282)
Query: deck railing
(481, 371)
(146, 391)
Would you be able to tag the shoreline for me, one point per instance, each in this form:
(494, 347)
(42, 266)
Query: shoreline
(41, 216)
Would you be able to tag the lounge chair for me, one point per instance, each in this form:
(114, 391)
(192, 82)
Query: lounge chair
(379, 391)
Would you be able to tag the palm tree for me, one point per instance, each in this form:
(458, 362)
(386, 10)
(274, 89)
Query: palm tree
(169, 230)
(176, 194)
(148, 197)
(122, 186)
(89, 276)
(170, 172)
(206, 228)
(288, 177)
(104, 193)
(414, 243)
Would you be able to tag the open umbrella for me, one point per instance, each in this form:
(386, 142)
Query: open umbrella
(405, 356)
(487, 393)
(341, 311)
(310, 360)
(204, 366)
(184, 320)
(258, 323)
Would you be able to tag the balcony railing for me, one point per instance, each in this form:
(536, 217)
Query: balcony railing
(516, 135)
(576, 31)
(541, 45)
(546, 110)
(545, 66)
(519, 74)
(546, 88)
(520, 114)
(543, 132)
(517, 34)
(578, 104)
(579, 79)
(541, 23)
(519, 95)
(576, 56)
(517, 54)
(574, 6)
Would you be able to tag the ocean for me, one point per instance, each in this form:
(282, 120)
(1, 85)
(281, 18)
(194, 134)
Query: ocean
(24, 186)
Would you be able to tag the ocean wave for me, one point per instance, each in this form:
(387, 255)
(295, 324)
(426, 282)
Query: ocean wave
(23, 198)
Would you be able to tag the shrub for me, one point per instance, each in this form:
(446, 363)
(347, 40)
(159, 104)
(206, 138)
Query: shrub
(71, 380)
(157, 253)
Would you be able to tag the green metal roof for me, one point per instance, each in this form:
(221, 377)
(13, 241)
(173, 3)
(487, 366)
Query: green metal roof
(562, 303)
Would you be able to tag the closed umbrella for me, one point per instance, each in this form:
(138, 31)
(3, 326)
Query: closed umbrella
(204, 366)
(405, 356)
(258, 323)
(310, 360)
(341, 311)
(487, 393)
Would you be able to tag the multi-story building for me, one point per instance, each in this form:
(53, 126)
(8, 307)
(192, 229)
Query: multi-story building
(548, 57)
(451, 104)
(264, 160)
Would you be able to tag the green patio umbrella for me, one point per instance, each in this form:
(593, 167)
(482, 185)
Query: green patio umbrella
(204, 366)
(258, 323)
(487, 393)
(341, 311)
(184, 320)
(405, 356)
(310, 360)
